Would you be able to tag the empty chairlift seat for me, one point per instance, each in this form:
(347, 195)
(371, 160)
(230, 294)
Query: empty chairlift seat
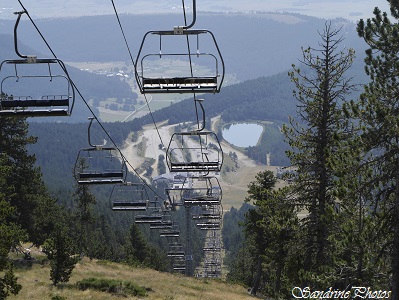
(149, 219)
(34, 87)
(173, 232)
(38, 95)
(213, 212)
(129, 196)
(172, 69)
(210, 225)
(198, 151)
(100, 165)
(205, 191)
(176, 250)
(196, 191)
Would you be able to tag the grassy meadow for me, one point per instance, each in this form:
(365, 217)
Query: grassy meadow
(36, 284)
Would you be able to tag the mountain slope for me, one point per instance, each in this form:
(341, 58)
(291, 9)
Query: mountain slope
(253, 45)
(36, 284)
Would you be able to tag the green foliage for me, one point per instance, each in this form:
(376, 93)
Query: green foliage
(10, 234)
(58, 297)
(84, 213)
(270, 229)
(59, 249)
(161, 164)
(8, 284)
(112, 286)
(272, 142)
(321, 91)
(377, 112)
(140, 252)
(232, 231)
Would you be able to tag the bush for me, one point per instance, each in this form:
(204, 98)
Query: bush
(58, 298)
(112, 286)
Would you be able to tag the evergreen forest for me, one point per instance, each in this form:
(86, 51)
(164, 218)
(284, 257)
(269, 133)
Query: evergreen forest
(326, 227)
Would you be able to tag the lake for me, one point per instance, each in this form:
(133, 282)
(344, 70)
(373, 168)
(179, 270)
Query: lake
(242, 134)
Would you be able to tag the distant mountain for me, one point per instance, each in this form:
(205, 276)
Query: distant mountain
(253, 45)
(353, 10)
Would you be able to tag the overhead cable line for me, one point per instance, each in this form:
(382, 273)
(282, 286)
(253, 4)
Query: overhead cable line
(86, 103)
(134, 65)
(189, 55)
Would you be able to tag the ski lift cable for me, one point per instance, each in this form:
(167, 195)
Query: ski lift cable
(189, 57)
(134, 65)
(86, 103)
(123, 32)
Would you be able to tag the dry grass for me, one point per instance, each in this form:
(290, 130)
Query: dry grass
(235, 184)
(37, 285)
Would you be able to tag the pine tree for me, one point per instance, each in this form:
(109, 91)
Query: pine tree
(85, 200)
(59, 249)
(36, 211)
(139, 249)
(321, 90)
(10, 234)
(269, 229)
(23, 177)
(378, 111)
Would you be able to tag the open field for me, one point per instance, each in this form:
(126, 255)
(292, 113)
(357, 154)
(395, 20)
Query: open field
(163, 286)
(156, 101)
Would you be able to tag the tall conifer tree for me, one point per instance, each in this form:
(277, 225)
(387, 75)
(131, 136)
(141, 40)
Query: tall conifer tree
(321, 127)
(379, 111)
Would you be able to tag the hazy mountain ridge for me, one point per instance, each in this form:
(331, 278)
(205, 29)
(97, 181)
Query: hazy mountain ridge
(252, 45)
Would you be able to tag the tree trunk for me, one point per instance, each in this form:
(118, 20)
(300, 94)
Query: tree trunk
(280, 265)
(258, 275)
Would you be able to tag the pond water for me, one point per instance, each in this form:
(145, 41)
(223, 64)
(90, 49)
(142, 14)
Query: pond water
(242, 134)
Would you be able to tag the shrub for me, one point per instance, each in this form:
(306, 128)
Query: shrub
(58, 297)
(112, 286)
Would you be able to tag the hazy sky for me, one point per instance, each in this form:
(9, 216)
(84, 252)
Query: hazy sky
(349, 9)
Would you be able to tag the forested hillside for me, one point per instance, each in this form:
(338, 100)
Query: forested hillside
(253, 45)
(266, 98)
(330, 222)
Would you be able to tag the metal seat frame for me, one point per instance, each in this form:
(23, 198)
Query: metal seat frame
(179, 84)
(29, 105)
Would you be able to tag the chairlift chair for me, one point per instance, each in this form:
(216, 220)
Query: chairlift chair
(172, 232)
(209, 212)
(196, 151)
(155, 68)
(206, 191)
(176, 250)
(98, 164)
(196, 191)
(148, 219)
(209, 225)
(161, 225)
(129, 196)
(168, 233)
(34, 87)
